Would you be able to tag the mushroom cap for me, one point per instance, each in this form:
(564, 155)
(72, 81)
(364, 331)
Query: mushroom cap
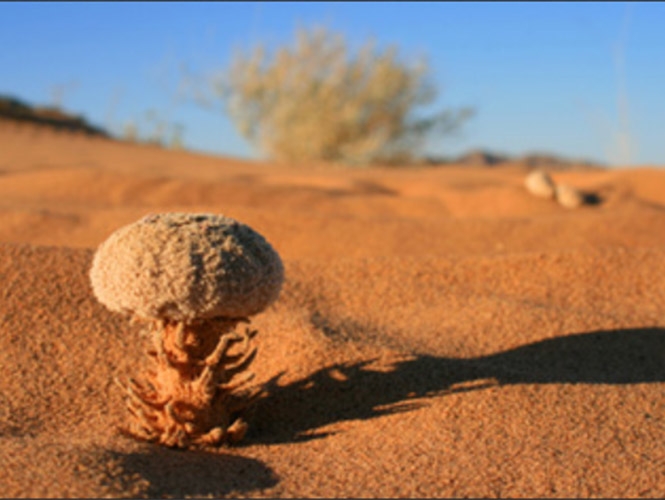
(539, 183)
(185, 267)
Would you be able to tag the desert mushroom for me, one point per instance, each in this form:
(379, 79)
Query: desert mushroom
(191, 278)
(540, 184)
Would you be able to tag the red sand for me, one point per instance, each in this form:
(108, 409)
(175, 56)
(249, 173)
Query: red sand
(441, 332)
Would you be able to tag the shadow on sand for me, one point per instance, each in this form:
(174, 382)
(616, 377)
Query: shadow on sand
(182, 473)
(591, 198)
(292, 413)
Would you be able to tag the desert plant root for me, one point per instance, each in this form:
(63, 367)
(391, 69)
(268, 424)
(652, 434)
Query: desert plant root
(193, 391)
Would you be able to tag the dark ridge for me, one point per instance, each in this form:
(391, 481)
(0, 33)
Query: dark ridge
(17, 110)
(545, 161)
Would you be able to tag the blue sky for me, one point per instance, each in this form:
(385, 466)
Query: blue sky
(584, 80)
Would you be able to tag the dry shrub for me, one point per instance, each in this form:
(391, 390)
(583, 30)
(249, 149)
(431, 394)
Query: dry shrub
(314, 101)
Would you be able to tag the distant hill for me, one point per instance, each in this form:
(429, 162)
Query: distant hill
(12, 108)
(555, 162)
(481, 158)
(547, 161)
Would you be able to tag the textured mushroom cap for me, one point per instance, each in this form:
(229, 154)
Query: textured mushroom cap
(539, 183)
(568, 196)
(183, 267)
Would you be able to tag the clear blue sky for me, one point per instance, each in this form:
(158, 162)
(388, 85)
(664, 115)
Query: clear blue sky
(578, 79)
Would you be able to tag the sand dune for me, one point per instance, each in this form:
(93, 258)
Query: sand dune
(441, 332)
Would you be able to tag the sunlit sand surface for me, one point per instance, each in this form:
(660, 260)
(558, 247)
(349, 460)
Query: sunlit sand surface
(441, 332)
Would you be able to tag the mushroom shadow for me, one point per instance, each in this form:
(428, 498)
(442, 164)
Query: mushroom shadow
(181, 473)
(351, 391)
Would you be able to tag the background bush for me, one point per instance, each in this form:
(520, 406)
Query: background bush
(316, 101)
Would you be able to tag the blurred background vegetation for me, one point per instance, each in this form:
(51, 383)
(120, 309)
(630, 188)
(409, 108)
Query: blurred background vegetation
(316, 100)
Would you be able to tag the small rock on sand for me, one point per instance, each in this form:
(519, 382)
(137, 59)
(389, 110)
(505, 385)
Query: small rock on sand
(540, 184)
(568, 196)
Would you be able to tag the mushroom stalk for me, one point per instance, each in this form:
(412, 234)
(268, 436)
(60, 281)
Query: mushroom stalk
(192, 391)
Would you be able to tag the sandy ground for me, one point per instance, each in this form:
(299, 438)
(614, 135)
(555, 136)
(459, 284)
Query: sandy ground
(441, 332)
